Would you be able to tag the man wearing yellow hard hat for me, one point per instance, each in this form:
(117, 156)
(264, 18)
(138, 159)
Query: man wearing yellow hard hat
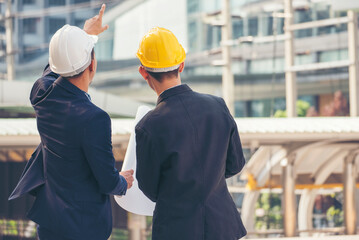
(186, 148)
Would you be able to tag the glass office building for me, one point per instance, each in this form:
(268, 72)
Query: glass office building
(259, 68)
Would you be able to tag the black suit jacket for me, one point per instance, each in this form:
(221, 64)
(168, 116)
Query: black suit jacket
(72, 171)
(186, 147)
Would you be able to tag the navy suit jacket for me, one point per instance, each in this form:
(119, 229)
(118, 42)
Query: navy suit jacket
(72, 171)
(186, 148)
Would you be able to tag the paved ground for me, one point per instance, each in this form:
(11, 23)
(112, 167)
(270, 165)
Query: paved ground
(338, 237)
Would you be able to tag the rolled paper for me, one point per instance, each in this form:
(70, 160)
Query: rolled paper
(135, 201)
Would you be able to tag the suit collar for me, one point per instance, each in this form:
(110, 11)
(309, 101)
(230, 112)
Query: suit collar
(63, 82)
(173, 91)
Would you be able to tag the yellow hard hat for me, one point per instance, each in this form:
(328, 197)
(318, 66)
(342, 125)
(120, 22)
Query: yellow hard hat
(160, 51)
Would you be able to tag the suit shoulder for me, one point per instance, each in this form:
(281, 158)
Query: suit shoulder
(97, 113)
(209, 98)
(146, 121)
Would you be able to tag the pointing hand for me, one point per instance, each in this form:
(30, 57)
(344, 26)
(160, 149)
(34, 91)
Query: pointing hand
(93, 26)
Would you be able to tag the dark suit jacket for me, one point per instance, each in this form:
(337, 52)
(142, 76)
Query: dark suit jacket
(72, 171)
(186, 147)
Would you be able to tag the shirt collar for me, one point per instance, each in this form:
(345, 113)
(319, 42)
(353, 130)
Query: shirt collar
(173, 91)
(63, 82)
(88, 96)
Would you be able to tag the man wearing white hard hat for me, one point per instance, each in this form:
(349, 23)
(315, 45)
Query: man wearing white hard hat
(186, 148)
(72, 171)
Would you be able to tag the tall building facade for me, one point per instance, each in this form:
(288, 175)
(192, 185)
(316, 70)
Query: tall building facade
(258, 68)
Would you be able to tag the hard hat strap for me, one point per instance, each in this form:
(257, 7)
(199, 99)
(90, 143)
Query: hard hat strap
(159, 70)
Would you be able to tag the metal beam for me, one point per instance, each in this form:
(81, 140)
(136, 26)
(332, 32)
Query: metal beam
(350, 218)
(319, 23)
(290, 77)
(227, 78)
(9, 43)
(289, 200)
(354, 67)
(136, 227)
(319, 66)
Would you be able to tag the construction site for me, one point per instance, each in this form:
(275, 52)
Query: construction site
(288, 71)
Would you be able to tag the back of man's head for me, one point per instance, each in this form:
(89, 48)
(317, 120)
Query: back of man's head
(161, 54)
(71, 51)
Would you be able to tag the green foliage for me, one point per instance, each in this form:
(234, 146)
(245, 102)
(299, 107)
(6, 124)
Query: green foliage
(119, 234)
(270, 207)
(280, 114)
(302, 108)
(9, 227)
(336, 215)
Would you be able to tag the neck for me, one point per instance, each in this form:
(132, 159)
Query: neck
(166, 84)
(81, 82)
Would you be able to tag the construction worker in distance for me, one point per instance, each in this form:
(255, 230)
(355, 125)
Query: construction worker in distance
(186, 148)
(72, 172)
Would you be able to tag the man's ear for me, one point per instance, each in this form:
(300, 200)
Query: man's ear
(143, 72)
(92, 65)
(181, 68)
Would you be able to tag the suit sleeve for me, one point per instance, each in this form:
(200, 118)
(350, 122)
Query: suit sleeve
(235, 158)
(97, 147)
(148, 164)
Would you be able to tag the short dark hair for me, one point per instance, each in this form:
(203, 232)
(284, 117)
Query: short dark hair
(79, 74)
(160, 76)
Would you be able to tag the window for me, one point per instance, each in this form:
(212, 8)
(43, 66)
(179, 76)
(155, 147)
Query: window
(304, 59)
(260, 108)
(324, 15)
(192, 6)
(270, 27)
(55, 24)
(342, 27)
(238, 28)
(265, 66)
(80, 1)
(192, 36)
(303, 15)
(253, 26)
(28, 2)
(280, 26)
(57, 2)
(30, 25)
(335, 55)
(209, 38)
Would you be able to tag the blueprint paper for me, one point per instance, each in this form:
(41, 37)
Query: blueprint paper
(135, 201)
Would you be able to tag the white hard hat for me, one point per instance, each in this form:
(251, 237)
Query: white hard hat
(70, 51)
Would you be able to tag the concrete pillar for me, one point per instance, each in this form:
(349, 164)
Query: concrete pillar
(305, 210)
(349, 177)
(288, 198)
(354, 66)
(136, 227)
(290, 77)
(227, 78)
(10, 64)
(248, 209)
